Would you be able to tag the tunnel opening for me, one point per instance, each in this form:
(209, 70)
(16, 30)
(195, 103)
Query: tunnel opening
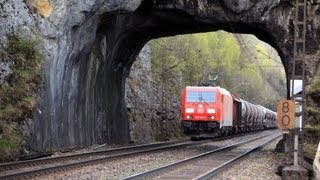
(121, 35)
(166, 66)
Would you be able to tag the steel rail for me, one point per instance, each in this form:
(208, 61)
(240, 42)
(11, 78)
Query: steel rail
(81, 163)
(48, 160)
(224, 166)
(157, 171)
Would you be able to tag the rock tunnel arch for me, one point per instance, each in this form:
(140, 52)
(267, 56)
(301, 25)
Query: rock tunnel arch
(96, 112)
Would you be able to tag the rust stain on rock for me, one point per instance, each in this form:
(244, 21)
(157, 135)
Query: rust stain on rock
(43, 7)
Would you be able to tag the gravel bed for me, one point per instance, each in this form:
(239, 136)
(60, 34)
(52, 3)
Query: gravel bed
(102, 147)
(258, 165)
(143, 162)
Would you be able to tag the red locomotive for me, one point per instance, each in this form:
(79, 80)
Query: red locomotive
(212, 111)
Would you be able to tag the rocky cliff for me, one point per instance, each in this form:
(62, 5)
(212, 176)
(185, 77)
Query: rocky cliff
(88, 48)
(144, 100)
(140, 97)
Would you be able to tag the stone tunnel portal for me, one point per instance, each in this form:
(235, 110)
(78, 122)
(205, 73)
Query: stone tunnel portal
(100, 107)
(121, 35)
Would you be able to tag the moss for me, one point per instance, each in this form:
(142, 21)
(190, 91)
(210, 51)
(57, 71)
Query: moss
(10, 112)
(25, 52)
(18, 95)
(310, 148)
(11, 136)
(10, 141)
(17, 98)
(28, 102)
(6, 143)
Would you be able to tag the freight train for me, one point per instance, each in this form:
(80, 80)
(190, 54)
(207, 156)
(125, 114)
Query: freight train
(214, 111)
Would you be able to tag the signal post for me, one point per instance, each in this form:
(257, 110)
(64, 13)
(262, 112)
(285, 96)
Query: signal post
(286, 120)
(297, 95)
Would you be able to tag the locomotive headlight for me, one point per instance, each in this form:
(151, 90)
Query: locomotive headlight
(200, 106)
(189, 110)
(189, 117)
(211, 110)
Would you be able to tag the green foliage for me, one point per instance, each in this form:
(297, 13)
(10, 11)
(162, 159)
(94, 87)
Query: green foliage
(10, 141)
(17, 97)
(10, 138)
(10, 112)
(249, 71)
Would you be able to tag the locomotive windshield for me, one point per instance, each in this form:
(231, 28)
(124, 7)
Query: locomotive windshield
(201, 96)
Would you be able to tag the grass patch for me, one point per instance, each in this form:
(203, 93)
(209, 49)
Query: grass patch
(6, 143)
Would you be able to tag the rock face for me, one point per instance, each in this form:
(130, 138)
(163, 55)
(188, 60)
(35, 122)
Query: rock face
(88, 49)
(5, 68)
(144, 98)
(140, 97)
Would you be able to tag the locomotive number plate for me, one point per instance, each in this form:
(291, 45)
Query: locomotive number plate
(286, 114)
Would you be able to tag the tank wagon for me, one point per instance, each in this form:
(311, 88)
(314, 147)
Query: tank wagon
(212, 111)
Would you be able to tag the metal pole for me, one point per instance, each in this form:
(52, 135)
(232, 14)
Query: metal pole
(162, 99)
(295, 154)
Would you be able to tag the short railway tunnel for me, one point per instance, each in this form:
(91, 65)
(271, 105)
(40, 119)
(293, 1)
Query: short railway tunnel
(83, 102)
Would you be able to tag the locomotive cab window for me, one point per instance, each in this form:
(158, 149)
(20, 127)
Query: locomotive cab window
(196, 96)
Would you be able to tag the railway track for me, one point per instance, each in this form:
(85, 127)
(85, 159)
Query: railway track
(38, 167)
(208, 164)
(32, 168)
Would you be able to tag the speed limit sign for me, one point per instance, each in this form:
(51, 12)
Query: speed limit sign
(286, 114)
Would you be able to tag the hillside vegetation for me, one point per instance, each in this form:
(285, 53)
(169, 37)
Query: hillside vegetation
(245, 65)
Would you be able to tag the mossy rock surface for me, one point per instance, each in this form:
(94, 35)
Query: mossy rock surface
(10, 142)
(18, 94)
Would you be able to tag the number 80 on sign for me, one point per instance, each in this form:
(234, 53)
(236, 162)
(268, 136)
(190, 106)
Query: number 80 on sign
(286, 114)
